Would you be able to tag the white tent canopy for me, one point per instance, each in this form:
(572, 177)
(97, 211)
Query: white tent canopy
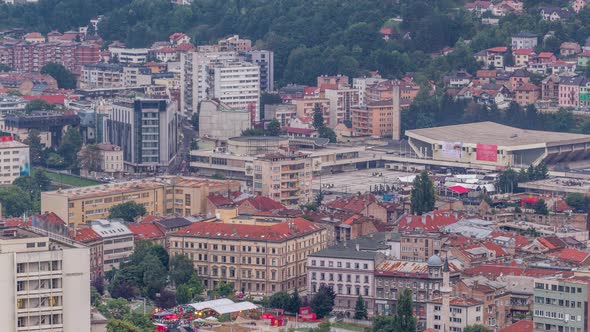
(224, 306)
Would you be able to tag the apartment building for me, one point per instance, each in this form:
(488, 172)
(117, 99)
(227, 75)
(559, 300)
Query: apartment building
(258, 259)
(284, 113)
(286, 178)
(101, 75)
(134, 56)
(146, 130)
(524, 40)
(117, 241)
(264, 60)
(361, 84)
(45, 283)
(375, 119)
(11, 104)
(111, 157)
(29, 57)
(418, 246)
(342, 100)
(306, 107)
(91, 239)
(463, 312)
(569, 90)
(234, 43)
(161, 196)
(14, 160)
(349, 272)
(136, 76)
(561, 304)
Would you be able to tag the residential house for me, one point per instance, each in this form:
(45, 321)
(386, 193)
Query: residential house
(569, 91)
(561, 67)
(568, 49)
(571, 257)
(550, 88)
(526, 94)
(519, 77)
(458, 79)
(118, 242)
(428, 222)
(479, 7)
(523, 56)
(148, 231)
(463, 312)
(419, 245)
(492, 293)
(550, 13)
(34, 38)
(257, 204)
(492, 57)
(365, 204)
(524, 40)
(546, 57)
(486, 76)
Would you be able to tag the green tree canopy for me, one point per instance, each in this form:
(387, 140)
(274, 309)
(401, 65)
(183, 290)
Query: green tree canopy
(70, 146)
(294, 302)
(90, 158)
(15, 201)
(224, 289)
(181, 269)
(360, 310)
(578, 201)
(423, 197)
(279, 300)
(65, 79)
(37, 105)
(127, 211)
(116, 325)
(274, 128)
(322, 302)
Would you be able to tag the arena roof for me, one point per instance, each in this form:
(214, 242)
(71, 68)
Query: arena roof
(494, 133)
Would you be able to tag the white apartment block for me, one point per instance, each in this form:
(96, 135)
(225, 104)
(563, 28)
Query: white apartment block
(45, 284)
(341, 102)
(130, 55)
(221, 75)
(118, 242)
(102, 75)
(361, 83)
(14, 160)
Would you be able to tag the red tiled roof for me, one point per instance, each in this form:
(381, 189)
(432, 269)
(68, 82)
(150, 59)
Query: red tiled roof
(275, 233)
(218, 200)
(33, 35)
(16, 222)
(545, 55)
(262, 203)
(496, 270)
(146, 231)
(571, 255)
(177, 35)
(149, 218)
(50, 99)
(50, 218)
(431, 221)
(523, 51)
(165, 50)
(185, 47)
(520, 240)
(303, 131)
(495, 248)
(386, 31)
(499, 49)
(551, 242)
(86, 235)
(520, 326)
(486, 73)
(527, 87)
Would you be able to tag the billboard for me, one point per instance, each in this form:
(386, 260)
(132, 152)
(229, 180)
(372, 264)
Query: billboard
(452, 150)
(487, 152)
(24, 163)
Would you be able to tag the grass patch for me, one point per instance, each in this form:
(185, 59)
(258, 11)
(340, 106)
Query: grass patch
(148, 309)
(69, 180)
(348, 326)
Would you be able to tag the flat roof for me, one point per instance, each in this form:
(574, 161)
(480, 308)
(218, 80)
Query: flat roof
(488, 132)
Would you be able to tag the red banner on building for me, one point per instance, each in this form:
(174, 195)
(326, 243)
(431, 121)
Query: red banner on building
(487, 152)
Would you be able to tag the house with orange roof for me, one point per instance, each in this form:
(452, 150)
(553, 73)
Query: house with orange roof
(148, 231)
(572, 257)
(526, 94)
(178, 38)
(492, 57)
(364, 204)
(523, 56)
(430, 222)
(254, 205)
(34, 38)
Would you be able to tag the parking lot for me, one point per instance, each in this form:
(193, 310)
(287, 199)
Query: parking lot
(356, 181)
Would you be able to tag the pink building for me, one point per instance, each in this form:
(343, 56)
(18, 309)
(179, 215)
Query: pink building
(569, 91)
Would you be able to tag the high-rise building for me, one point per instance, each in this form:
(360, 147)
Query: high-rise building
(45, 282)
(218, 75)
(146, 130)
(266, 61)
(286, 178)
(342, 100)
(561, 304)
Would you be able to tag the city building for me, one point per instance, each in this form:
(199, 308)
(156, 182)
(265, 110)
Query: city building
(117, 242)
(264, 60)
(259, 260)
(146, 130)
(31, 57)
(527, 94)
(91, 239)
(219, 120)
(51, 125)
(161, 196)
(375, 119)
(342, 100)
(45, 282)
(349, 272)
(284, 177)
(306, 107)
(463, 312)
(15, 160)
(419, 246)
(135, 56)
(234, 43)
(361, 84)
(524, 40)
(569, 90)
(11, 104)
(561, 304)
(111, 157)
(284, 113)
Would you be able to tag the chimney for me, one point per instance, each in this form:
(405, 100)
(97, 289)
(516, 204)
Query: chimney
(396, 112)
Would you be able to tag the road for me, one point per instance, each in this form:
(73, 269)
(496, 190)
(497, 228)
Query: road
(180, 164)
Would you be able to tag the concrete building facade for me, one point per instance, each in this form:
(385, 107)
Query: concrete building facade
(15, 160)
(117, 241)
(219, 120)
(561, 305)
(342, 100)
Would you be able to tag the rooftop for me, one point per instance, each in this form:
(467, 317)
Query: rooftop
(392, 267)
(113, 228)
(494, 133)
(274, 233)
(146, 231)
(85, 235)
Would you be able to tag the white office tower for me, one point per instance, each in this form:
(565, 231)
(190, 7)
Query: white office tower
(218, 75)
(45, 284)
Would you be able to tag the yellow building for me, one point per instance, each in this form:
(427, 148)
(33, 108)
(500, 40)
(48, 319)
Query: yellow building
(161, 196)
(259, 260)
(286, 178)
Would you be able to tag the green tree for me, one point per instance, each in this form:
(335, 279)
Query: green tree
(274, 128)
(181, 269)
(15, 202)
(90, 158)
(94, 297)
(56, 161)
(224, 289)
(318, 117)
(540, 207)
(154, 274)
(476, 328)
(37, 105)
(422, 197)
(405, 312)
(118, 308)
(36, 149)
(127, 211)
(324, 326)
(280, 300)
(384, 323)
(294, 302)
(360, 310)
(578, 201)
(65, 79)
(190, 290)
(70, 146)
(507, 181)
(322, 302)
(116, 325)
(328, 133)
